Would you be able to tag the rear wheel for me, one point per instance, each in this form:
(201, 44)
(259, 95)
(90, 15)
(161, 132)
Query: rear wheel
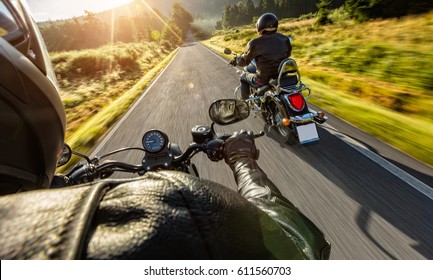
(287, 133)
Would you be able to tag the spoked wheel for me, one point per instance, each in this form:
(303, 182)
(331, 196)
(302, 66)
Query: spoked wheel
(287, 133)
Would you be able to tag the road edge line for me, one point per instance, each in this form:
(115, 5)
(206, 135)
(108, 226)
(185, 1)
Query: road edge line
(396, 171)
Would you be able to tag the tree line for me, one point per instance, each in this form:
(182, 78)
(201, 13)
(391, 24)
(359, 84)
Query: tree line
(245, 11)
(89, 31)
(369, 9)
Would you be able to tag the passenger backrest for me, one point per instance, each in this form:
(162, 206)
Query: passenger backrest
(289, 74)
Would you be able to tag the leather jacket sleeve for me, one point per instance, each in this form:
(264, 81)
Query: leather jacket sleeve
(255, 186)
(247, 57)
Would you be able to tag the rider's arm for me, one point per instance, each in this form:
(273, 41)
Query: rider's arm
(289, 46)
(248, 56)
(240, 154)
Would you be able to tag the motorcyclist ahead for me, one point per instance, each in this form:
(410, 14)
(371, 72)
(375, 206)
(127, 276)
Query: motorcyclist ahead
(161, 215)
(268, 50)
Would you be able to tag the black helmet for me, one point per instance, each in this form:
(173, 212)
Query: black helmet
(267, 23)
(32, 116)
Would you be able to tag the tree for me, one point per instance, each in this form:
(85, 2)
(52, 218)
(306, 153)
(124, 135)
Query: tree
(181, 18)
(171, 33)
(227, 17)
(247, 11)
(324, 10)
(362, 10)
(282, 8)
(250, 8)
(92, 27)
(266, 6)
(219, 25)
(124, 30)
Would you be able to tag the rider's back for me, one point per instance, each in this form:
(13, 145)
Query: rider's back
(269, 50)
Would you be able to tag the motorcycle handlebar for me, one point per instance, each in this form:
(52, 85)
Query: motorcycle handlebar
(189, 151)
(119, 164)
(88, 172)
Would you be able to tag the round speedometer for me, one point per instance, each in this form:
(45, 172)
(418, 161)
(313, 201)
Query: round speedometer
(154, 141)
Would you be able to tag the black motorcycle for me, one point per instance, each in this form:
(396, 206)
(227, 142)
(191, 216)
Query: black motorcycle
(159, 152)
(282, 103)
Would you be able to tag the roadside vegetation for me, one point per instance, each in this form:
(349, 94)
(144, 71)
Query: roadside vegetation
(99, 80)
(98, 85)
(90, 80)
(375, 74)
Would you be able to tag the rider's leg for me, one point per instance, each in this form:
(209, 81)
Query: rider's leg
(247, 79)
(245, 90)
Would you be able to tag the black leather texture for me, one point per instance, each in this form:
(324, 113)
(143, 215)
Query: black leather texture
(268, 50)
(163, 215)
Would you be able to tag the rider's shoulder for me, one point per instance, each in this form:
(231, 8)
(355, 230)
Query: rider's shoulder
(156, 204)
(282, 36)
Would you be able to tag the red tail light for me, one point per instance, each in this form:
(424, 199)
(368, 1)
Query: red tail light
(297, 101)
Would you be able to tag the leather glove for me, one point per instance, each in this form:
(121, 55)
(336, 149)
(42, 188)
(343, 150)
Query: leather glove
(240, 145)
(234, 61)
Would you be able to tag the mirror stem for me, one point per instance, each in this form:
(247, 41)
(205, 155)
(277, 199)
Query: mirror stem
(211, 127)
(83, 156)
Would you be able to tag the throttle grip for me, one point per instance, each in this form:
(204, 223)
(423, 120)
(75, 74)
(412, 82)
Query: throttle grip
(214, 149)
(82, 175)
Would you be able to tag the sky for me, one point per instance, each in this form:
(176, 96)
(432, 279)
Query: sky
(62, 9)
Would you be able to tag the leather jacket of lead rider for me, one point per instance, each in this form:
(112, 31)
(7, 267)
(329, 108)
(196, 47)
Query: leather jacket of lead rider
(162, 215)
(268, 50)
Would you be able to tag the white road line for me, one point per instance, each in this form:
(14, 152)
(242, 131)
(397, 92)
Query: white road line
(119, 123)
(402, 175)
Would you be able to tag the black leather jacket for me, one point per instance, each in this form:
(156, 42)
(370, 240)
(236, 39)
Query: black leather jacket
(269, 50)
(162, 215)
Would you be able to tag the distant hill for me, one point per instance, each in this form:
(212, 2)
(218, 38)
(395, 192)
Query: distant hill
(197, 8)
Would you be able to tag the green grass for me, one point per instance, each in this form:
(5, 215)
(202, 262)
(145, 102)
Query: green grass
(91, 79)
(381, 80)
(86, 136)
(397, 129)
(98, 86)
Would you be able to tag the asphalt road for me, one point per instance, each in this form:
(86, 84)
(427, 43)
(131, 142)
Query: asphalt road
(372, 201)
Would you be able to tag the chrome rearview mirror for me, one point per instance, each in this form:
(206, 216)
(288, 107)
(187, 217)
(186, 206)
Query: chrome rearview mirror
(65, 155)
(228, 111)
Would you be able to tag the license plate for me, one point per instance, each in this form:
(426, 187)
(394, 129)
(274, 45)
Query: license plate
(307, 133)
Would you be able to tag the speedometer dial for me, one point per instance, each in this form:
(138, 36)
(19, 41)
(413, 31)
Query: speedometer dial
(154, 141)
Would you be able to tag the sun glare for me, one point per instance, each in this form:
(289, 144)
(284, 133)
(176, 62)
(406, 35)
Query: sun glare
(114, 3)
